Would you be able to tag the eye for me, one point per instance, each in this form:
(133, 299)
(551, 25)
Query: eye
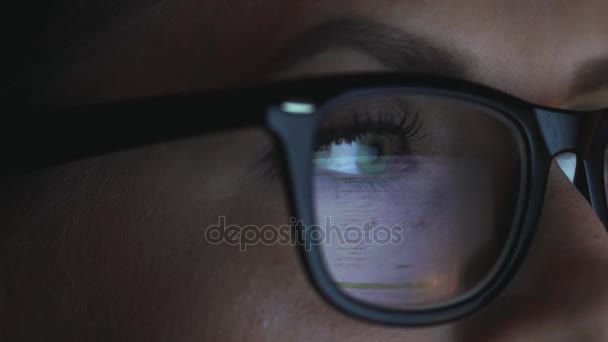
(369, 146)
(367, 154)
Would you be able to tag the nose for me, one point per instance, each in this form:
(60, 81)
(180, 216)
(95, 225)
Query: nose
(561, 291)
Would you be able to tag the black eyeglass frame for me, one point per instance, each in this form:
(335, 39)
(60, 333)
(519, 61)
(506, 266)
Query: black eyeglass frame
(30, 141)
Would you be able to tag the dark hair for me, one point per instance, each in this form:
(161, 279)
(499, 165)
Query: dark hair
(42, 34)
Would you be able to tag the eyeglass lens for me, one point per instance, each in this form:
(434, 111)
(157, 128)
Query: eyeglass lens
(415, 195)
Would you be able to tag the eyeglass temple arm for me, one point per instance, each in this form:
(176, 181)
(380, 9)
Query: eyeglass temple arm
(30, 141)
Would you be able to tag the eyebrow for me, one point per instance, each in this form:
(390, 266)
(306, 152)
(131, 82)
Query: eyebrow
(590, 77)
(405, 51)
(395, 48)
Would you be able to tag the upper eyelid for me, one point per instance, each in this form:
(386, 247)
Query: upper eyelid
(386, 109)
(403, 132)
(272, 164)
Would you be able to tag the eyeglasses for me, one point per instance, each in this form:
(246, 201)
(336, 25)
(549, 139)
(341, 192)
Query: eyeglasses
(417, 196)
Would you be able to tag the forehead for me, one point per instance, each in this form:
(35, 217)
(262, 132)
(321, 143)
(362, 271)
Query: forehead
(530, 49)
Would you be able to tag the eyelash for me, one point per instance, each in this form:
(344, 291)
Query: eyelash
(387, 125)
(394, 124)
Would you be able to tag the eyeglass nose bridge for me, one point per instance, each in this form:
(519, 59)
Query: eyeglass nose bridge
(578, 133)
(560, 130)
(566, 131)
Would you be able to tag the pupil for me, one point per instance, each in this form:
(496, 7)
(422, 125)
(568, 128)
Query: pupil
(368, 153)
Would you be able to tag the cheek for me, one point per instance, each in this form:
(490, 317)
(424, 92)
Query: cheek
(123, 255)
(183, 286)
(262, 295)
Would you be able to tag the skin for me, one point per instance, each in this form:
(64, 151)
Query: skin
(113, 248)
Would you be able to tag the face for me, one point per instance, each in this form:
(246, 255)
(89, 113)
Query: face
(114, 246)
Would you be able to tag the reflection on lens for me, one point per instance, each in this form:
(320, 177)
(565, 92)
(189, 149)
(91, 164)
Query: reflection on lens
(415, 195)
